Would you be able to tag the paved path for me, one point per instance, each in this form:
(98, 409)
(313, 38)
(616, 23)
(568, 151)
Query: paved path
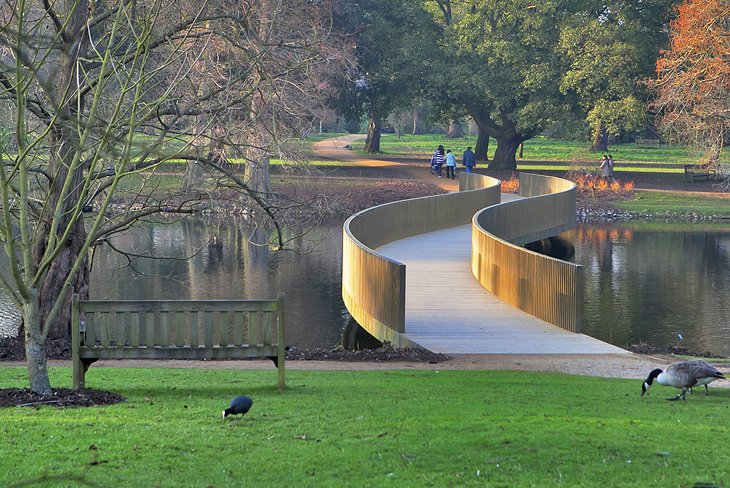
(448, 311)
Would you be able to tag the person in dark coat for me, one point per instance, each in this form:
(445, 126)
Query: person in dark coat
(469, 159)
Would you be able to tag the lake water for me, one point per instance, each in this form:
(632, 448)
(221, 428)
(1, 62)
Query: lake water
(650, 282)
(643, 283)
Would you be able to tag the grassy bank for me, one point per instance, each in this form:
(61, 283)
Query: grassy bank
(540, 149)
(674, 203)
(386, 428)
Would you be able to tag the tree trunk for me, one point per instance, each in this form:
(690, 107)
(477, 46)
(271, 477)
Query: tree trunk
(417, 129)
(35, 349)
(259, 174)
(456, 130)
(506, 134)
(372, 142)
(482, 147)
(63, 139)
(259, 135)
(58, 213)
(193, 176)
(57, 274)
(504, 156)
(600, 138)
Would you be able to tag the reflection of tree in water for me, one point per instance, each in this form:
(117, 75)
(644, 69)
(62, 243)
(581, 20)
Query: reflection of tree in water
(231, 258)
(215, 251)
(649, 285)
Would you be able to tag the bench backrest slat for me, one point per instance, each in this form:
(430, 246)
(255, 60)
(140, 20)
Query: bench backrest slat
(238, 328)
(253, 325)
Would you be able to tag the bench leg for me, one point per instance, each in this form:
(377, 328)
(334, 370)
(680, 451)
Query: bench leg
(78, 374)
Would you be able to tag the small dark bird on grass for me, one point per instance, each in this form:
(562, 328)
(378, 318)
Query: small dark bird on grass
(684, 375)
(239, 405)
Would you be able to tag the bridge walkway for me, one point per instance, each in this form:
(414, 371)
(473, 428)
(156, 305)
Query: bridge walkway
(448, 311)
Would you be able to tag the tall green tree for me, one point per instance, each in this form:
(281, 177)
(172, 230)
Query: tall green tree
(607, 48)
(503, 66)
(394, 54)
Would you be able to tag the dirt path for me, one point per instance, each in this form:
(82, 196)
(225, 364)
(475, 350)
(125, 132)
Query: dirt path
(336, 149)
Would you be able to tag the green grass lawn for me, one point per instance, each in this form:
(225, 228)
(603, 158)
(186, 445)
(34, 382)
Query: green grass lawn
(375, 428)
(570, 153)
(658, 203)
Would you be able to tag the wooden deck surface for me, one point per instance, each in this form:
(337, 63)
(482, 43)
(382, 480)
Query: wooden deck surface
(448, 311)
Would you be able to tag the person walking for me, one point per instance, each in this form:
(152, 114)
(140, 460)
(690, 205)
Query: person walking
(607, 168)
(450, 164)
(438, 159)
(469, 159)
(610, 164)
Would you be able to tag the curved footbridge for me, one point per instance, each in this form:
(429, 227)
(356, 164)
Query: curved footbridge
(448, 273)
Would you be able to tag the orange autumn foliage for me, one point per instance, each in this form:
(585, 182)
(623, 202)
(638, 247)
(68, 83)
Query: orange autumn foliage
(693, 75)
(593, 184)
(511, 186)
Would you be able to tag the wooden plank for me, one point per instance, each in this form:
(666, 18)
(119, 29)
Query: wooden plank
(120, 336)
(238, 325)
(180, 328)
(106, 329)
(253, 321)
(164, 337)
(135, 323)
(176, 305)
(182, 353)
(148, 321)
(195, 325)
(268, 336)
(76, 364)
(223, 329)
(209, 317)
(281, 344)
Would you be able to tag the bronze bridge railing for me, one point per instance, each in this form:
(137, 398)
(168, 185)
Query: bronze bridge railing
(373, 285)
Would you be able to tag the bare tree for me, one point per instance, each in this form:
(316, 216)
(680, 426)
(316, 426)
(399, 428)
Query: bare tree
(103, 93)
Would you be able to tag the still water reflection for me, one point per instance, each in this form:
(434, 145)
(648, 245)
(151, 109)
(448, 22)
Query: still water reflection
(227, 264)
(643, 283)
(650, 282)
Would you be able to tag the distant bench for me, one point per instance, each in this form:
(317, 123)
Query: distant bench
(647, 143)
(693, 172)
(176, 329)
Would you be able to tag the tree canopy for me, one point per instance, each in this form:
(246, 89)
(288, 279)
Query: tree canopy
(394, 40)
(692, 82)
(517, 67)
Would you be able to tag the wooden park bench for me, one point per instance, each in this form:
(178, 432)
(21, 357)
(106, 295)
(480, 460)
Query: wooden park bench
(647, 143)
(693, 172)
(176, 329)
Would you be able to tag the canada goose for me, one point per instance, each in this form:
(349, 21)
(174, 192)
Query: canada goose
(684, 375)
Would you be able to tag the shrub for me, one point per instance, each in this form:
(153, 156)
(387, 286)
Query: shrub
(591, 183)
(511, 186)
